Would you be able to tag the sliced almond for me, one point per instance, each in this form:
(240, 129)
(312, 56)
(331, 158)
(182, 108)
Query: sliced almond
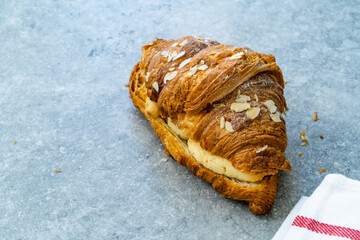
(156, 86)
(175, 44)
(239, 107)
(198, 38)
(171, 56)
(184, 63)
(304, 138)
(253, 112)
(242, 99)
(184, 42)
(256, 98)
(262, 149)
(202, 67)
(228, 126)
(237, 55)
(202, 62)
(182, 53)
(170, 76)
(270, 105)
(147, 76)
(193, 70)
(222, 122)
(171, 69)
(165, 53)
(275, 117)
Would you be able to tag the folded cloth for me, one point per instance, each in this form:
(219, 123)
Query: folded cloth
(331, 212)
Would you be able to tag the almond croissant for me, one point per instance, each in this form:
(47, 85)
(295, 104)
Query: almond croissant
(217, 109)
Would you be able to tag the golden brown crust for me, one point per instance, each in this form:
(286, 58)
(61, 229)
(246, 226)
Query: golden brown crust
(196, 102)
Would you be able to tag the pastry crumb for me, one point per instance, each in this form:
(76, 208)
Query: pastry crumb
(15, 142)
(303, 138)
(315, 117)
(322, 170)
(57, 171)
(300, 154)
(164, 159)
(321, 136)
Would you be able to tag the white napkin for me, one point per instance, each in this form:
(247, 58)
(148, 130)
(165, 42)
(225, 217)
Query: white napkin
(331, 212)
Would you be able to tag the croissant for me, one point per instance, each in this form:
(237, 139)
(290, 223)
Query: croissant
(217, 109)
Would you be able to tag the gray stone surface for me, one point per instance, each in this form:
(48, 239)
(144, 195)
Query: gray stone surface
(63, 67)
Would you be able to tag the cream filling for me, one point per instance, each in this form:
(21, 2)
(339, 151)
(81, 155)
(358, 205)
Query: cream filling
(214, 163)
(218, 164)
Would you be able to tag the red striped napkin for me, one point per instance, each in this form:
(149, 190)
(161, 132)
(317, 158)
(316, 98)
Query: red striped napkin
(331, 212)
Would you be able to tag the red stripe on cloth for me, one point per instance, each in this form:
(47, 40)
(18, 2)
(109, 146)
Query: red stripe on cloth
(323, 228)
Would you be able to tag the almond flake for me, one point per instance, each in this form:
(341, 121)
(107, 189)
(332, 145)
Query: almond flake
(165, 53)
(202, 67)
(262, 149)
(171, 69)
(227, 76)
(184, 63)
(184, 42)
(170, 76)
(242, 99)
(270, 105)
(222, 122)
(237, 55)
(202, 62)
(156, 86)
(275, 117)
(175, 44)
(164, 159)
(147, 76)
(193, 70)
(198, 38)
(239, 107)
(253, 112)
(228, 126)
(256, 98)
(171, 56)
(303, 138)
(182, 53)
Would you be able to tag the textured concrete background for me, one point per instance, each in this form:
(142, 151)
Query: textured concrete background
(63, 67)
